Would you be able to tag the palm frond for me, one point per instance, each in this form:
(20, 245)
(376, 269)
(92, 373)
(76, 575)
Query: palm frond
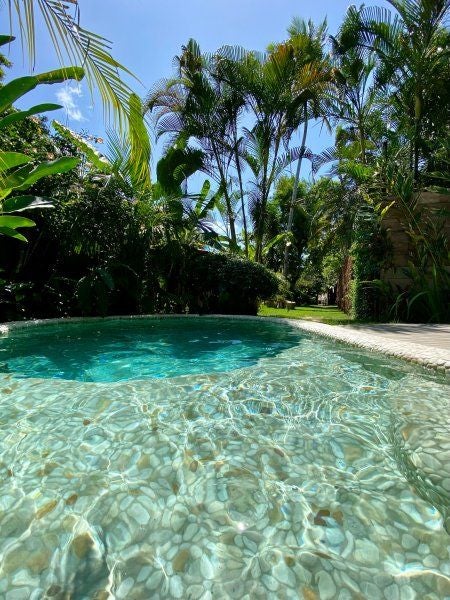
(77, 45)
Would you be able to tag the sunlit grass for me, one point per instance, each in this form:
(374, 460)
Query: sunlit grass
(323, 314)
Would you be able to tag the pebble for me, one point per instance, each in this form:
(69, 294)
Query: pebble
(431, 561)
(408, 542)
(18, 594)
(370, 590)
(284, 574)
(270, 582)
(407, 593)
(366, 552)
(180, 560)
(334, 536)
(327, 589)
(392, 592)
(143, 574)
(154, 580)
(124, 588)
(176, 587)
(206, 567)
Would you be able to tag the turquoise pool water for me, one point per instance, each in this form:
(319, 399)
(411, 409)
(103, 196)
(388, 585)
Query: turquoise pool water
(122, 350)
(273, 464)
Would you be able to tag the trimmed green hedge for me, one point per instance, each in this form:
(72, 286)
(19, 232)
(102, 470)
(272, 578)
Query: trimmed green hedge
(368, 253)
(206, 282)
(171, 278)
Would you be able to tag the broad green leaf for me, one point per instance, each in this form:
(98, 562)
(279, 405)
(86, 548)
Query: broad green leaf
(14, 222)
(23, 114)
(60, 165)
(6, 39)
(12, 233)
(140, 149)
(205, 190)
(9, 160)
(61, 75)
(14, 180)
(92, 155)
(17, 88)
(285, 236)
(20, 203)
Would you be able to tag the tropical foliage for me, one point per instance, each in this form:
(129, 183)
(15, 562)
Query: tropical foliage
(238, 194)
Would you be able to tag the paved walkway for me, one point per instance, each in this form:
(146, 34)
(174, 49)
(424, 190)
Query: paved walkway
(428, 345)
(434, 336)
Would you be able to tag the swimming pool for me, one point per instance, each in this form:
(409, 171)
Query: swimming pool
(218, 458)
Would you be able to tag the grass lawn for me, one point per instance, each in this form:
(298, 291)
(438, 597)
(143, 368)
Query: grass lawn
(323, 314)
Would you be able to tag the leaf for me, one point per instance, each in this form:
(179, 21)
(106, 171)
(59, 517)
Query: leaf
(14, 222)
(21, 203)
(60, 165)
(14, 180)
(140, 150)
(205, 190)
(23, 114)
(284, 236)
(12, 233)
(9, 160)
(61, 75)
(6, 39)
(92, 155)
(17, 88)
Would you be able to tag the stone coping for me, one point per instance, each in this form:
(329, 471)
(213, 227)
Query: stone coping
(432, 358)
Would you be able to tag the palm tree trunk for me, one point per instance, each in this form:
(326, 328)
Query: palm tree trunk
(294, 195)
(241, 191)
(230, 214)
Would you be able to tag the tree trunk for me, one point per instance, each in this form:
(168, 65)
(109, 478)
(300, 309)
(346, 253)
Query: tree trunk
(294, 195)
(230, 213)
(241, 191)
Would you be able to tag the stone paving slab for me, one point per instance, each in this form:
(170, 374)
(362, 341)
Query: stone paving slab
(412, 343)
(433, 335)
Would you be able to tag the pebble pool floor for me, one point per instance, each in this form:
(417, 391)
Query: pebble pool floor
(229, 459)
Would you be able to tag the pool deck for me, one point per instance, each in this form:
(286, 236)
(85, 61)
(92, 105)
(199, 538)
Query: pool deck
(427, 345)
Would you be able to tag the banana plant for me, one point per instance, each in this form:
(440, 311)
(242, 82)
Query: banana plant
(18, 172)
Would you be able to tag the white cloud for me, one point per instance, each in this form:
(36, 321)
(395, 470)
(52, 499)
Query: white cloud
(67, 97)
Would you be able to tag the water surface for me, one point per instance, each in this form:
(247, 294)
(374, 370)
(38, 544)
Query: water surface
(308, 469)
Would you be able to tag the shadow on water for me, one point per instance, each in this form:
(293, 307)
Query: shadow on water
(119, 350)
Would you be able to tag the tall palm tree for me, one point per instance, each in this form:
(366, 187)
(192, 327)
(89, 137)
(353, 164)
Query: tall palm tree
(412, 47)
(198, 105)
(312, 76)
(265, 79)
(233, 102)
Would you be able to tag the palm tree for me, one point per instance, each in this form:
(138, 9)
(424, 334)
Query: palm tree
(265, 82)
(311, 78)
(199, 105)
(412, 48)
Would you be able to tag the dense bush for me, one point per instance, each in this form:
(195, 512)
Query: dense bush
(368, 253)
(205, 282)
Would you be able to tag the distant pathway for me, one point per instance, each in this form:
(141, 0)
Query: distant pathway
(428, 345)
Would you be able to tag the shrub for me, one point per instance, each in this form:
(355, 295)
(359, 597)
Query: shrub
(368, 252)
(207, 282)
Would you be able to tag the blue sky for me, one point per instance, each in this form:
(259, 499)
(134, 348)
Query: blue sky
(146, 34)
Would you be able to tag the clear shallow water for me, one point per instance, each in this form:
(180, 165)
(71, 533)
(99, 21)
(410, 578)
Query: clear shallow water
(319, 471)
(121, 350)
